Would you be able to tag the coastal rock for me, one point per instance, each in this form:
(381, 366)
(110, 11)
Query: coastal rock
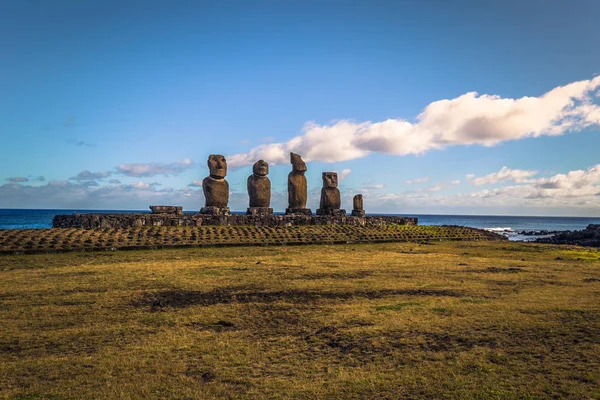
(590, 237)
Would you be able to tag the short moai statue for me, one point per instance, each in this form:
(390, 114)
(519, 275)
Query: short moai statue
(297, 187)
(330, 196)
(259, 190)
(357, 203)
(215, 187)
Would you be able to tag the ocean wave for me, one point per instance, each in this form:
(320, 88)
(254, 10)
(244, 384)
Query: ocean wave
(507, 229)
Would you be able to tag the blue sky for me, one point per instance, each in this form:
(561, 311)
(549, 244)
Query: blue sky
(139, 93)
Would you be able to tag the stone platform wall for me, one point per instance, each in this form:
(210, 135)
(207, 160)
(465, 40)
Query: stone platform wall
(92, 221)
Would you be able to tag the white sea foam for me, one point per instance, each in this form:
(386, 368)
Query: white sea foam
(499, 229)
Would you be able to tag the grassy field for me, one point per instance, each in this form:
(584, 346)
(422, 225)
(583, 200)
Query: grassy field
(62, 240)
(484, 320)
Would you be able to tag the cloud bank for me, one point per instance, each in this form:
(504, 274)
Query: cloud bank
(505, 174)
(573, 192)
(466, 120)
(153, 169)
(87, 176)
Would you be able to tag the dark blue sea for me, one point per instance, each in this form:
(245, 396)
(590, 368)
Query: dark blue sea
(506, 225)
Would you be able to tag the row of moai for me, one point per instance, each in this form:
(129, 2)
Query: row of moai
(216, 190)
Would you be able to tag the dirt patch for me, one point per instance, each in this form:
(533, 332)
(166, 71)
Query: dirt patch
(496, 270)
(219, 326)
(69, 274)
(175, 298)
(376, 345)
(341, 275)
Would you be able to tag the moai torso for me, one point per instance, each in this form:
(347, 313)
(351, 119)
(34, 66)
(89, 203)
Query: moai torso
(297, 187)
(215, 187)
(259, 186)
(358, 202)
(216, 192)
(330, 194)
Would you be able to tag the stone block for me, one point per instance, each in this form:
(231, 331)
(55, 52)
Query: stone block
(298, 211)
(211, 210)
(332, 212)
(167, 210)
(259, 211)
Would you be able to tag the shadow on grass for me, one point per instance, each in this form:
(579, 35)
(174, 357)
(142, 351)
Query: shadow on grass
(175, 298)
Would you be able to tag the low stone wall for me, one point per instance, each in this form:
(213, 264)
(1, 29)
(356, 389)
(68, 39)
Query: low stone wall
(92, 221)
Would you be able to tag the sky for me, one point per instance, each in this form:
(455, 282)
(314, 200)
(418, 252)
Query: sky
(424, 107)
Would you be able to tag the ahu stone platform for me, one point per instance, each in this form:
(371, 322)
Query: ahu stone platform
(93, 221)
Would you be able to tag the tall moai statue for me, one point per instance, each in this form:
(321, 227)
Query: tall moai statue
(259, 190)
(357, 203)
(330, 196)
(215, 187)
(297, 188)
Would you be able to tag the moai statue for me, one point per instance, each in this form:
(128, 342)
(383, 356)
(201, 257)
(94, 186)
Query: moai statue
(215, 187)
(297, 188)
(358, 210)
(330, 196)
(259, 190)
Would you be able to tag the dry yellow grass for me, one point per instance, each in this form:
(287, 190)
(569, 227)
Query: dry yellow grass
(378, 321)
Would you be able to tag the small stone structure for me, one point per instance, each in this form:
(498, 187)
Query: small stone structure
(357, 206)
(93, 221)
(178, 210)
(297, 187)
(215, 187)
(259, 190)
(330, 196)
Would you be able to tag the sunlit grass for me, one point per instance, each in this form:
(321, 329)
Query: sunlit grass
(444, 320)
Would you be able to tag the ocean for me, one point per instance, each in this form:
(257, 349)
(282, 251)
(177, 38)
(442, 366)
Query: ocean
(510, 226)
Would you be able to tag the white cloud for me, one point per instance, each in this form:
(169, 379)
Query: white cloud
(376, 186)
(418, 180)
(141, 185)
(197, 183)
(344, 174)
(468, 119)
(153, 169)
(18, 179)
(573, 181)
(87, 175)
(505, 174)
(568, 192)
(456, 182)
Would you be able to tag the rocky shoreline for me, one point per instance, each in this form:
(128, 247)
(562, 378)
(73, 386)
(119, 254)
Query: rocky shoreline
(590, 237)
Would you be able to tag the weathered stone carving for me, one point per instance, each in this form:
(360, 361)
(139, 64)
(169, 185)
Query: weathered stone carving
(215, 187)
(357, 203)
(297, 188)
(259, 190)
(178, 210)
(330, 196)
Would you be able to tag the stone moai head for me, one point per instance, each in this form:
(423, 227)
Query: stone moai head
(217, 166)
(260, 168)
(330, 180)
(297, 164)
(358, 202)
